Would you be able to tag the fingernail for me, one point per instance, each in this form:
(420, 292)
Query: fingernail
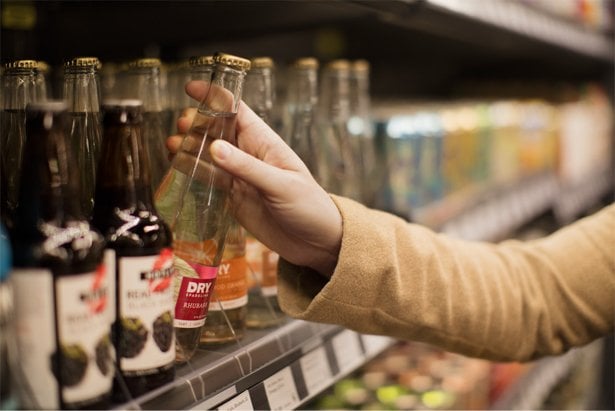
(220, 149)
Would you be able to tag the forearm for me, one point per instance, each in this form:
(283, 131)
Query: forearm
(511, 301)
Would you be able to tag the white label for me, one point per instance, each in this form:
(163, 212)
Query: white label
(347, 350)
(146, 310)
(316, 371)
(35, 338)
(281, 391)
(241, 402)
(83, 332)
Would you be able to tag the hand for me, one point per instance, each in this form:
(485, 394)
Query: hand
(273, 196)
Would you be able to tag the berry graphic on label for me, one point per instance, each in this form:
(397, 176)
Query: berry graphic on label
(163, 331)
(134, 337)
(73, 361)
(103, 355)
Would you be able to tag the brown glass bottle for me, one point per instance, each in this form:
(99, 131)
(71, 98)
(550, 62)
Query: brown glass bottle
(62, 290)
(124, 212)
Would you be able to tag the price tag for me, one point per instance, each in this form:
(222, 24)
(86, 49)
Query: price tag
(374, 344)
(347, 350)
(316, 370)
(281, 390)
(241, 402)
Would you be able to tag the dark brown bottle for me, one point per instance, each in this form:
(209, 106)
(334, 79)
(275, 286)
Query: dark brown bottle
(124, 212)
(62, 290)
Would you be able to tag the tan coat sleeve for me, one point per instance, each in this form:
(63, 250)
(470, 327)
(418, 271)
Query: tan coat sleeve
(508, 301)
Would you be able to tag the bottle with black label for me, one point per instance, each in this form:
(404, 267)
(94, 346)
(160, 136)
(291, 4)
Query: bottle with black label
(140, 240)
(62, 290)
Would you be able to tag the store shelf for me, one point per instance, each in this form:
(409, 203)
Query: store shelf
(269, 369)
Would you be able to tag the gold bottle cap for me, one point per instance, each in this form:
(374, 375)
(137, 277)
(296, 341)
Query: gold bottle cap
(360, 65)
(306, 63)
(43, 67)
(340, 64)
(261, 62)
(83, 62)
(27, 64)
(233, 61)
(201, 61)
(145, 63)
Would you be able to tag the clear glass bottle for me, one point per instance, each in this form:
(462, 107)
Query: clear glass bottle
(144, 79)
(179, 100)
(83, 97)
(361, 132)
(226, 320)
(19, 87)
(43, 81)
(337, 157)
(193, 198)
(299, 125)
(263, 308)
(62, 290)
(140, 243)
(201, 68)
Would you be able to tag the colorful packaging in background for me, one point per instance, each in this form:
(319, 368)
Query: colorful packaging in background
(455, 151)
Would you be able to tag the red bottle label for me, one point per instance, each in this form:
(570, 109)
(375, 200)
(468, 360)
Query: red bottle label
(193, 296)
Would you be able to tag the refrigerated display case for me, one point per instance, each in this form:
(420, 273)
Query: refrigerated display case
(418, 49)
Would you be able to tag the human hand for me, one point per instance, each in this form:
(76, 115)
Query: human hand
(273, 194)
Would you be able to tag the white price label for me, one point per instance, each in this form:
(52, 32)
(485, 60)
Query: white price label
(316, 370)
(241, 402)
(347, 350)
(281, 391)
(374, 344)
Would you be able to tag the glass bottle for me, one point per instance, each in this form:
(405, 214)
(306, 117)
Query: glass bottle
(193, 198)
(361, 131)
(19, 87)
(226, 320)
(144, 84)
(179, 75)
(43, 81)
(339, 168)
(263, 308)
(62, 289)
(201, 68)
(142, 258)
(299, 128)
(82, 95)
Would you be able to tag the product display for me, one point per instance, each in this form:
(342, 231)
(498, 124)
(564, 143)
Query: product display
(127, 282)
(62, 289)
(139, 253)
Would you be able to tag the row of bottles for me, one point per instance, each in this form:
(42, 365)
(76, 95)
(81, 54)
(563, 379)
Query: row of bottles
(123, 289)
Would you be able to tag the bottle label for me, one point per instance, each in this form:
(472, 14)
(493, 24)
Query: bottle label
(194, 285)
(231, 285)
(262, 267)
(86, 366)
(35, 338)
(146, 307)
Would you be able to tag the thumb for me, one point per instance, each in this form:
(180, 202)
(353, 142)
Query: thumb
(262, 176)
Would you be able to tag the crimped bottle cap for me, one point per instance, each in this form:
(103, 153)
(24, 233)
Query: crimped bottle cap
(360, 65)
(83, 62)
(232, 61)
(306, 63)
(145, 63)
(27, 64)
(43, 67)
(340, 64)
(261, 62)
(201, 60)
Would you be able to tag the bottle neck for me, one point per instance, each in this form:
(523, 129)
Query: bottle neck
(303, 90)
(146, 86)
(359, 94)
(49, 188)
(81, 90)
(258, 92)
(19, 88)
(123, 178)
(335, 95)
(225, 90)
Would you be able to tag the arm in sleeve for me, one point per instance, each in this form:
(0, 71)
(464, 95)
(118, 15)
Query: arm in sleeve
(512, 301)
